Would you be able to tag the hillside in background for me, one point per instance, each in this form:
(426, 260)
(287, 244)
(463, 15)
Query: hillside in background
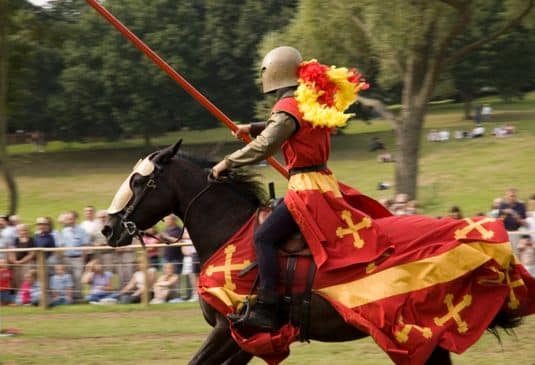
(468, 173)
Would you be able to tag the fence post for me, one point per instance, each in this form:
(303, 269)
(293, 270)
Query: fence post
(42, 273)
(145, 264)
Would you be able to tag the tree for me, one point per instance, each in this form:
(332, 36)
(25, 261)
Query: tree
(228, 56)
(4, 166)
(505, 65)
(415, 43)
(35, 62)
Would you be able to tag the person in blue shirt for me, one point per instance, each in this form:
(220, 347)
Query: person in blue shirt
(60, 286)
(73, 237)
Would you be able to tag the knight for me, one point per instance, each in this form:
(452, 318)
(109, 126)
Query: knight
(310, 101)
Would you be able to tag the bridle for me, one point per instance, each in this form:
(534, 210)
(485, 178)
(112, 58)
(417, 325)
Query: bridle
(131, 227)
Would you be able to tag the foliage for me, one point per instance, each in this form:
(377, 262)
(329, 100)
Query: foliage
(75, 77)
(35, 62)
(505, 65)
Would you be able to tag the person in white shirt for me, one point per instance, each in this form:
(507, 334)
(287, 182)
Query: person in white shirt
(90, 225)
(73, 236)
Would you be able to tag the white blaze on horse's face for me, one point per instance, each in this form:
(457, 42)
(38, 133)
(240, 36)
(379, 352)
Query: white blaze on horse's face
(143, 167)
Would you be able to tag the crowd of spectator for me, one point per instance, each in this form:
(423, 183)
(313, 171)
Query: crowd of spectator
(100, 276)
(121, 276)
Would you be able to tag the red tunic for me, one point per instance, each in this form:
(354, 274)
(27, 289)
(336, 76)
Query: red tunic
(336, 220)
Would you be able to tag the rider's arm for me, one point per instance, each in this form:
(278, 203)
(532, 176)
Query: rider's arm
(257, 128)
(278, 129)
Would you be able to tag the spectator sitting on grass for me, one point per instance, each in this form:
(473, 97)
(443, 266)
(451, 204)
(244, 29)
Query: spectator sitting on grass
(478, 131)
(166, 287)
(99, 280)
(376, 144)
(400, 204)
(385, 157)
(30, 290)
(133, 290)
(61, 286)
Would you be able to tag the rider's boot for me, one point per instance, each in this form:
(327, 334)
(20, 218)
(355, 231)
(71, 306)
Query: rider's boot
(263, 315)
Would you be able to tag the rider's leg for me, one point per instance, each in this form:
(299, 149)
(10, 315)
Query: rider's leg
(278, 226)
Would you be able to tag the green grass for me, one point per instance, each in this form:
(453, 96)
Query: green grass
(468, 173)
(170, 334)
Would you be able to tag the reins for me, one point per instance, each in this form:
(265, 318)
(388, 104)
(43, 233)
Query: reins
(132, 229)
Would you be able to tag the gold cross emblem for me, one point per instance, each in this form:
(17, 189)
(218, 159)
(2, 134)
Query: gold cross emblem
(403, 335)
(353, 228)
(453, 312)
(228, 268)
(478, 226)
(513, 300)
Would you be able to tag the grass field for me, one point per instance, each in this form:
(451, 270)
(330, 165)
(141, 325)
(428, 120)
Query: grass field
(170, 334)
(468, 173)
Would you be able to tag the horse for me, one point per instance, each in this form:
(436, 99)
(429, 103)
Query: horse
(212, 213)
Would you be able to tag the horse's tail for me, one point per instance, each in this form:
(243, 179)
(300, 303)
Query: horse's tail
(505, 320)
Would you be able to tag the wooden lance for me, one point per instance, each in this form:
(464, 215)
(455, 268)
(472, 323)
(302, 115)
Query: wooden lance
(176, 76)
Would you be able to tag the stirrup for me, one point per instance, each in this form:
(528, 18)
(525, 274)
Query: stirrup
(237, 319)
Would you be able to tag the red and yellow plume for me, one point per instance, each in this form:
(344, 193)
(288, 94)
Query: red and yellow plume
(324, 93)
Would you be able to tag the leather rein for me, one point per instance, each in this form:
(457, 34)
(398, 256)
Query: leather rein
(131, 227)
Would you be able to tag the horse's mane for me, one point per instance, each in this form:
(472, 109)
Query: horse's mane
(245, 182)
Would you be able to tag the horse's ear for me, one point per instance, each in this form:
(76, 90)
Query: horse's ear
(176, 146)
(167, 153)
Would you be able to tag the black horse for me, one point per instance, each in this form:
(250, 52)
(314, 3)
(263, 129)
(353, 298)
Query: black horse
(212, 212)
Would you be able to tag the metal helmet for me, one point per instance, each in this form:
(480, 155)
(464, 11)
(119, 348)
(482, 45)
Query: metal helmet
(279, 68)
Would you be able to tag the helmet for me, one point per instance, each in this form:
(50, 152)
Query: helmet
(279, 68)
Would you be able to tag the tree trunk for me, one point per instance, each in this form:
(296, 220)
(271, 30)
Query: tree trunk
(408, 134)
(7, 174)
(467, 100)
(415, 94)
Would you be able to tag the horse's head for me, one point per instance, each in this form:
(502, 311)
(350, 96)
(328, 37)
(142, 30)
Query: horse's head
(144, 197)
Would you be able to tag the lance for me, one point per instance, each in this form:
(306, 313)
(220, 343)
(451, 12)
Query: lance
(153, 56)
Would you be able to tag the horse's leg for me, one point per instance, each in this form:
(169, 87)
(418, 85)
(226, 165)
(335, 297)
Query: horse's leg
(239, 358)
(213, 349)
(439, 356)
(219, 347)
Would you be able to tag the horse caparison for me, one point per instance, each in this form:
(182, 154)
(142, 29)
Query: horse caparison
(213, 212)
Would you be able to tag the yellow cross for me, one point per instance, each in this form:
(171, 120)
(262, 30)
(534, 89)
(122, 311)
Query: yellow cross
(353, 228)
(485, 233)
(403, 335)
(228, 268)
(513, 300)
(453, 312)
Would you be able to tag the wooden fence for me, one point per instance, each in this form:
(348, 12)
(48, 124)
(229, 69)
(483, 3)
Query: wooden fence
(42, 271)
